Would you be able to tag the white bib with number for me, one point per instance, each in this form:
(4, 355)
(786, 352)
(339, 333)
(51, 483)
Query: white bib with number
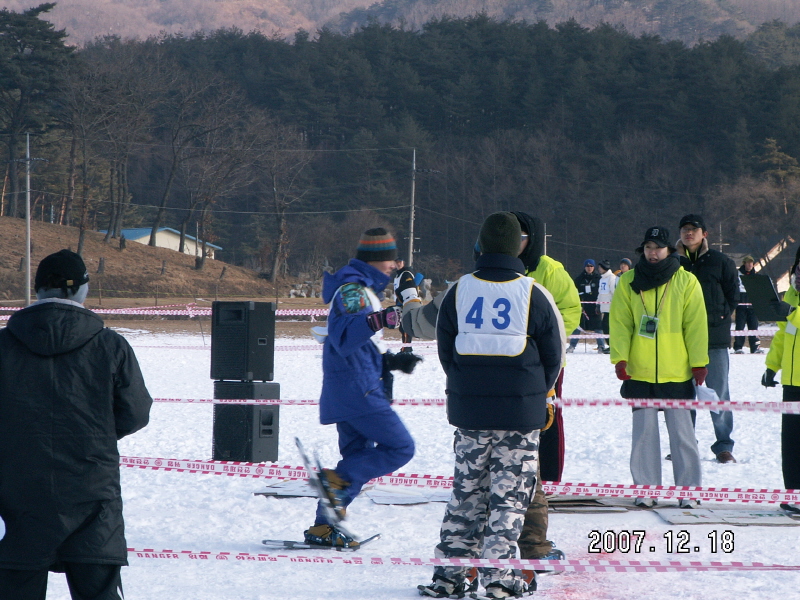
(492, 316)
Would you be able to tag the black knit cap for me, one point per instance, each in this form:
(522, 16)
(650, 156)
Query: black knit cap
(376, 245)
(500, 234)
(63, 270)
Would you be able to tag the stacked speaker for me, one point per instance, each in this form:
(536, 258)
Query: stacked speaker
(243, 366)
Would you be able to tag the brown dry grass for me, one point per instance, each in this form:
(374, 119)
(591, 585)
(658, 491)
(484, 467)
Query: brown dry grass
(132, 277)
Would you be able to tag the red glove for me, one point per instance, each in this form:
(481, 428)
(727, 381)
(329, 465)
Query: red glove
(699, 374)
(622, 374)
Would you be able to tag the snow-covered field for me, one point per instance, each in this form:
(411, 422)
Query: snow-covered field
(183, 511)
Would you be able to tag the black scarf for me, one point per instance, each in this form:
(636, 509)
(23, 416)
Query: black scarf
(647, 275)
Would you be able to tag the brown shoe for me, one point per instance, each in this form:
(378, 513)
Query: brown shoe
(725, 457)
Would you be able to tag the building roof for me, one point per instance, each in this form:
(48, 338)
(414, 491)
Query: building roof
(140, 232)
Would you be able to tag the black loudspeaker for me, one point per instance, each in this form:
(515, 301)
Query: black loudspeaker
(246, 432)
(243, 341)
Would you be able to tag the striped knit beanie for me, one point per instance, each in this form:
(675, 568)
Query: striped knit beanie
(376, 245)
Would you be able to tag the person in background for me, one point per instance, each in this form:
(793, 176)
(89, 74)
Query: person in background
(588, 283)
(659, 349)
(69, 390)
(373, 441)
(500, 341)
(405, 283)
(720, 282)
(625, 265)
(608, 283)
(784, 355)
(745, 315)
(533, 542)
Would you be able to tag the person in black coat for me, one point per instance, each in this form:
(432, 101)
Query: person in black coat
(588, 284)
(745, 315)
(720, 282)
(69, 389)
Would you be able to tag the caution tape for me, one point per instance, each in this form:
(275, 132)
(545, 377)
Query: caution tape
(578, 566)
(190, 310)
(791, 408)
(266, 471)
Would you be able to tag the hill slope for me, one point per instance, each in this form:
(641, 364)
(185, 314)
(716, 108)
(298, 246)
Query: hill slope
(686, 20)
(134, 272)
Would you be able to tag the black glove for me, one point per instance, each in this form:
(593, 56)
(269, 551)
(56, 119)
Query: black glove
(388, 317)
(402, 361)
(768, 378)
(405, 288)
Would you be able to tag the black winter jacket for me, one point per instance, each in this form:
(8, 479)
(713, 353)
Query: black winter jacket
(501, 392)
(591, 319)
(69, 389)
(720, 282)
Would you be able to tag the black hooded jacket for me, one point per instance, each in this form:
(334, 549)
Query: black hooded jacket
(69, 389)
(534, 227)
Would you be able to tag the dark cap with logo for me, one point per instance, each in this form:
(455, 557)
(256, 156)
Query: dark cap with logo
(64, 269)
(694, 221)
(659, 235)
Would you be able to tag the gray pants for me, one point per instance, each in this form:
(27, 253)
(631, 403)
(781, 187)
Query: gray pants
(495, 475)
(646, 447)
(718, 365)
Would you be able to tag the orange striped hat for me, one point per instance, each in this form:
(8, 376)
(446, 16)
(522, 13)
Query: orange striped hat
(376, 244)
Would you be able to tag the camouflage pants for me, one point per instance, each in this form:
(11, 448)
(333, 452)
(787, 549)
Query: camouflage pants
(495, 475)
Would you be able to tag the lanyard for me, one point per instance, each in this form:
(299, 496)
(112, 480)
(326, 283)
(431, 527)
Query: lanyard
(660, 304)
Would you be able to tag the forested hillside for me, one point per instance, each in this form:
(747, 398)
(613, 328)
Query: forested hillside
(687, 20)
(281, 152)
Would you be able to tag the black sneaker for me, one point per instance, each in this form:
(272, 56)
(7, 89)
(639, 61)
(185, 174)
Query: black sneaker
(516, 589)
(793, 510)
(442, 587)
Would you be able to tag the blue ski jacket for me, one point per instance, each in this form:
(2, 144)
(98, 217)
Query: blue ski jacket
(351, 363)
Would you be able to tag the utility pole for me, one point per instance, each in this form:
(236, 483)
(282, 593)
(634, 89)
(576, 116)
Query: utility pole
(545, 238)
(414, 171)
(411, 216)
(27, 161)
(720, 243)
(27, 219)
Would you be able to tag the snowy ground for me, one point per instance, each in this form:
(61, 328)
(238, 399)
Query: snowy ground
(183, 511)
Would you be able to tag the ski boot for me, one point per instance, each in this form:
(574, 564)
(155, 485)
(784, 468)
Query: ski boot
(327, 535)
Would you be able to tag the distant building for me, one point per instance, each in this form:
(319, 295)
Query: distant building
(166, 237)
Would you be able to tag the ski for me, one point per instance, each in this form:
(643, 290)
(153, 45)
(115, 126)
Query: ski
(331, 514)
(295, 545)
(334, 517)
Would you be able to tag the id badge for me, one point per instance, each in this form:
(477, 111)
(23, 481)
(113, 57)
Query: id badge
(648, 327)
(791, 329)
(587, 289)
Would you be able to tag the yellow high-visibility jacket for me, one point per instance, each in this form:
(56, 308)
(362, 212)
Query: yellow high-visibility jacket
(681, 338)
(784, 351)
(551, 275)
